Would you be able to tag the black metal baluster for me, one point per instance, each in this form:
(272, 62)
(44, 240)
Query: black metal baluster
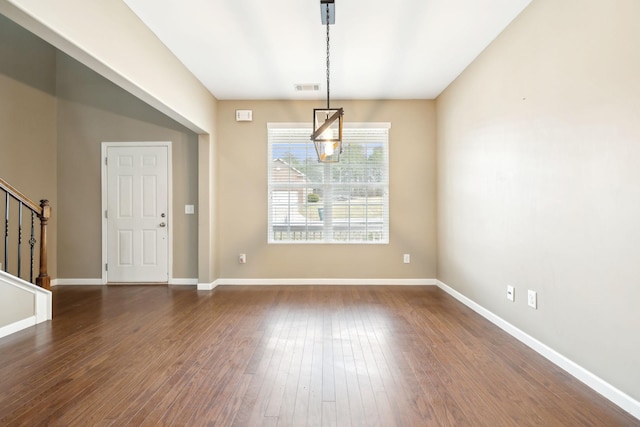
(32, 243)
(20, 240)
(6, 232)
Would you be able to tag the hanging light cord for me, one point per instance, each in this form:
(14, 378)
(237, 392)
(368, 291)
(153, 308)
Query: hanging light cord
(327, 6)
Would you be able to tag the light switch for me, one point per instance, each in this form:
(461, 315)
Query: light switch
(189, 209)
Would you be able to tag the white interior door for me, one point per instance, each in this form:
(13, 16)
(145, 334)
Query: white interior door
(137, 214)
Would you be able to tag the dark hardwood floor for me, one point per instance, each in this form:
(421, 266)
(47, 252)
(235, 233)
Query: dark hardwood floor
(281, 355)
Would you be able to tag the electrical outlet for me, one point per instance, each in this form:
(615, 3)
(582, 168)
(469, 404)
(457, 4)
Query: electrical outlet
(407, 258)
(532, 299)
(511, 293)
(242, 258)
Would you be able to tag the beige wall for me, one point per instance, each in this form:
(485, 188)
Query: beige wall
(92, 110)
(27, 140)
(55, 114)
(28, 120)
(538, 182)
(15, 304)
(108, 38)
(242, 163)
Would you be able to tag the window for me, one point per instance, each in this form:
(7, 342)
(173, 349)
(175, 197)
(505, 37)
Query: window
(312, 202)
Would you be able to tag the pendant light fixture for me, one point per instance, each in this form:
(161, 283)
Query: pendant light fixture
(327, 122)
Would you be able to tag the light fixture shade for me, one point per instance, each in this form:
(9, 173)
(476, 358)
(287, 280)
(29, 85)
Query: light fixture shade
(327, 133)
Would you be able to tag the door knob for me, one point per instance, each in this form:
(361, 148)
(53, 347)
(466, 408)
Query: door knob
(162, 224)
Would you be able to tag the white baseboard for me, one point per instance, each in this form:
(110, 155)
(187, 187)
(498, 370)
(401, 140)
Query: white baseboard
(307, 282)
(238, 282)
(602, 387)
(41, 308)
(339, 282)
(207, 286)
(99, 282)
(77, 282)
(17, 326)
(183, 282)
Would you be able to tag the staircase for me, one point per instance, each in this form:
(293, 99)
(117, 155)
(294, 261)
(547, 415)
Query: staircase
(25, 300)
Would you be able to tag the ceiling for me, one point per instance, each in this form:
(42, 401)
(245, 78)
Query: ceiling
(394, 49)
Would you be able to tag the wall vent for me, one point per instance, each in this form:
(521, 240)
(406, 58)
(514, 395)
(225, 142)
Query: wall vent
(244, 115)
(307, 87)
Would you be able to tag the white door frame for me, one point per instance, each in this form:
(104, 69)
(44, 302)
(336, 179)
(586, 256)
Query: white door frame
(103, 162)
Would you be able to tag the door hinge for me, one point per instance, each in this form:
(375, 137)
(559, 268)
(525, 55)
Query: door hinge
(106, 214)
(106, 161)
(106, 267)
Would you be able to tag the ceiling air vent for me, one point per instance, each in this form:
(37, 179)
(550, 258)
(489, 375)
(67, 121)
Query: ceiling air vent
(307, 87)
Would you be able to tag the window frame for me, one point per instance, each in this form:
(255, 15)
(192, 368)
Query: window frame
(328, 226)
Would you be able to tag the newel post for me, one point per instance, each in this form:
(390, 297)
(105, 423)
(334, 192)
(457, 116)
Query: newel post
(43, 280)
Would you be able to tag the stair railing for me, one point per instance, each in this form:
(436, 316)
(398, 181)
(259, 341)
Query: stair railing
(43, 213)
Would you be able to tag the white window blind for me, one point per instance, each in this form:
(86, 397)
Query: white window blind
(312, 202)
